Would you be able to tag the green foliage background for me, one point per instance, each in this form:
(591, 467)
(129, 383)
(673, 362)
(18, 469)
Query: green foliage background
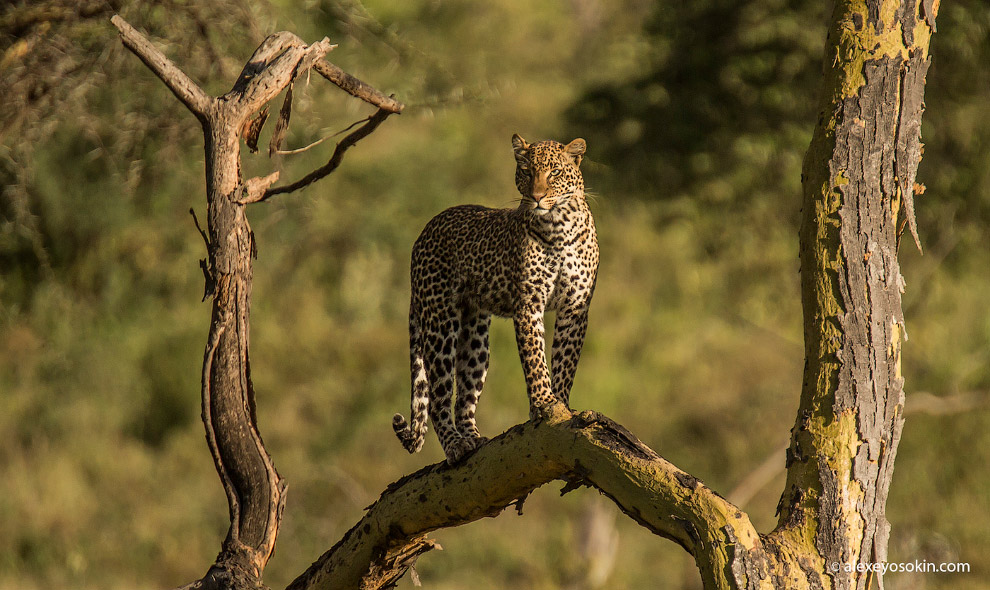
(697, 117)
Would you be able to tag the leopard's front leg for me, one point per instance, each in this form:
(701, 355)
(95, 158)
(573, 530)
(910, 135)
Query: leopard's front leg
(531, 340)
(568, 339)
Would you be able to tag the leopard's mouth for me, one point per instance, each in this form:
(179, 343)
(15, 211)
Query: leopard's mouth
(557, 202)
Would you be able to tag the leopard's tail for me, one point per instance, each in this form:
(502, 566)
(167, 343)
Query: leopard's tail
(412, 436)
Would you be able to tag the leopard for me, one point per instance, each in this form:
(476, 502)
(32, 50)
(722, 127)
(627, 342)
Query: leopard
(472, 262)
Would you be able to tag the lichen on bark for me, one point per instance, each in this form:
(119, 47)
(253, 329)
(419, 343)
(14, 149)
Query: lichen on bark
(858, 182)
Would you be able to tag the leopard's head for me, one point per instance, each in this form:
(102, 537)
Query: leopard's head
(548, 173)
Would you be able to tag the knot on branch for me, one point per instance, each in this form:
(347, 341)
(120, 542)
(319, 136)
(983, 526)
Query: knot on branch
(612, 434)
(687, 481)
(231, 570)
(586, 418)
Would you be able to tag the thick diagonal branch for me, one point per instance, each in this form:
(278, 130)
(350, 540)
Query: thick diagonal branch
(585, 447)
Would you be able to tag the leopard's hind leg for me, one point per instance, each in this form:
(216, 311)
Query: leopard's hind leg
(472, 368)
(440, 332)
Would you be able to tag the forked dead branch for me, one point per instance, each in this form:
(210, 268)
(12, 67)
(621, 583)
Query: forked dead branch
(858, 178)
(254, 489)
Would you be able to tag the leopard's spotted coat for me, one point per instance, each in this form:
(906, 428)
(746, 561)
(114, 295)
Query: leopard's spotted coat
(471, 262)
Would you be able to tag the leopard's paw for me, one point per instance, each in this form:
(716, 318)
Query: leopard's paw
(461, 448)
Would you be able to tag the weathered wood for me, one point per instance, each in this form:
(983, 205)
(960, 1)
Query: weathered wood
(582, 449)
(279, 59)
(357, 88)
(858, 177)
(255, 491)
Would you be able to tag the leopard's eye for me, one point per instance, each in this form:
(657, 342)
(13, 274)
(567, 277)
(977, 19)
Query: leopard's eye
(556, 172)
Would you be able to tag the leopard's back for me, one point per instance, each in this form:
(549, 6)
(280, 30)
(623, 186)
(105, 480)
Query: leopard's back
(469, 254)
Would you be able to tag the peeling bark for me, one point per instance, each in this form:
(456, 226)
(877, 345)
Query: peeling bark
(858, 178)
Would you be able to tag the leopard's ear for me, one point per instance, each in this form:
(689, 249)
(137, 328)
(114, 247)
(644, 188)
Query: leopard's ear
(576, 150)
(520, 147)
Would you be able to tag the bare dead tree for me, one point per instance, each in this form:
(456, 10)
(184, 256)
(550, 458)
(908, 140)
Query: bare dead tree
(255, 491)
(858, 184)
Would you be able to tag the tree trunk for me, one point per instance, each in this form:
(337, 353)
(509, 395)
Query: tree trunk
(858, 185)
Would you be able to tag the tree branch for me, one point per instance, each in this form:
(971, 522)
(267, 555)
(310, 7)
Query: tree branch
(280, 58)
(357, 88)
(181, 85)
(588, 447)
(338, 155)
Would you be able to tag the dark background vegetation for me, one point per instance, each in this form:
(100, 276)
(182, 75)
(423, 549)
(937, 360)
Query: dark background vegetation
(697, 116)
